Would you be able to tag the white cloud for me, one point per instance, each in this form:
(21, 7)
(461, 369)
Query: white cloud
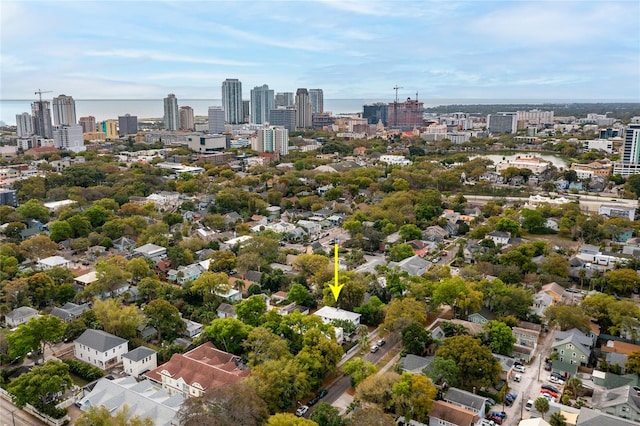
(167, 57)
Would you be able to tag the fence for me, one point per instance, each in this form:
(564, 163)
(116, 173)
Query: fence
(35, 413)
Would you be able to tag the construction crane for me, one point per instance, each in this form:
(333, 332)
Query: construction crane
(395, 107)
(40, 92)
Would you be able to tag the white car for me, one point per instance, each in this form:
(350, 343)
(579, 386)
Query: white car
(556, 380)
(519, 368)
(302, 410)
(529, 405)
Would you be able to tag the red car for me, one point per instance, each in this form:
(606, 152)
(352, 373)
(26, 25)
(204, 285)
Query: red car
(548, 392)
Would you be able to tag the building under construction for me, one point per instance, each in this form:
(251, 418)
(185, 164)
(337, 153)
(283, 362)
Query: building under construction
(405, 115)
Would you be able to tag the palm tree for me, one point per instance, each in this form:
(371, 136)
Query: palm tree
(557, 419)
(574, 385)
(541, 405)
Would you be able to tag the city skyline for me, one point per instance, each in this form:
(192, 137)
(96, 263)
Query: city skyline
(537, 50)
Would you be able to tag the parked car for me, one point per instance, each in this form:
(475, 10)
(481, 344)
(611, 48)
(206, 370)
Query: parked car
(500, 414)
(302, 410)
(556, 380)
(528, 405)
(381, 342)
(517, 378)
(519, 368)
(374, 349)
(547, 396)
(322, 393)
(496, 419)
(313, 401)
(548, 392)
(547, 367)
(550, 388)
(491, 401)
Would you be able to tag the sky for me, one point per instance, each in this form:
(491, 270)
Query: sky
(441, 49)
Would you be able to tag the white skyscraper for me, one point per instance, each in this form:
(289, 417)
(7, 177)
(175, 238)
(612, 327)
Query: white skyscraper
(629, 164)
(171, 112)
(285, 99)
(64, 111)
(24, 123)
(232, 101)
(68, 137)
(272, 139)
(316, 98)
(216, 119)
(262, 102)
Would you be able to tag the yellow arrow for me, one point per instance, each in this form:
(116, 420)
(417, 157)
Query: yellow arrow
(335, 288)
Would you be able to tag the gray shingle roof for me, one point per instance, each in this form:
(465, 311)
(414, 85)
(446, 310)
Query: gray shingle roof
(21, 312)
(139, 353)
(468, 399)
(100, 340)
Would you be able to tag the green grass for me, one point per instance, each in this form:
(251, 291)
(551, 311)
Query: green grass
(77, 380)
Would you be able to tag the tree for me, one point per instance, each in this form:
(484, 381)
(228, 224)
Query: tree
(222, 261)
(442, 370)
(34, 335)
(567, 317)
(42, 386)
(101, 416)
(279, 383)
(358, 369)
(117, 318)
(541, 405)
(413, 396)
(508, 225)
(633, 184)
(250, 310)
(41, 289)
(415, 339)
(532, 220)
(60, 230)
(210, 283)
(33, 209)
(371, 416)
(139, 269)
(372, 311)
(400, 252)
(230, 404)
(301, 296)
(377, 389)
(311, 266)
(499, 337)
(633, 363)
(97, 215)
(410, 232)
(556, 265)
(403, 312)
(622, 281)
(228, 334)
(288, 419)
(476, 364)
(557, 419)
(325, 415)
(39, 247)
(262, 345)
(352, 293)
(165, 318)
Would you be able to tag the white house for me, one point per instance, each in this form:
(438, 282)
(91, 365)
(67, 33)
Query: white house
(193, 328)
(139, 360)
(151, 251)
(313, 228)
(499, 237)
(19, 316)
(329, 314)
(100, 348)
(51, 262)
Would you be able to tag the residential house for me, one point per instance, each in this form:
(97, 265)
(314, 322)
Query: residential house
(52, 262)
(571, 353)
(420, 248)
(313, 229)
(541, 301)
(140, 360)
(69, 311)
(588, 340)
(230, 219)
(123, 244)
(193, 373)
(443, 413)
(226, 310)
(185, 273)
(435, 233)
(437, 331)
(555, 290)
(499, 237)
(86, 279)
(19, 316)
(330, 314)
(151, 251)
(291, 308)
(482, 316)
(144, 399)
(34, 227)
(526, 342)
(414, 364)
(621, 402)
(279, 297)
(617, 352)
(589, 417)
(414, 265)
(232, 295)
(467, 400)
(193, 329)
(99, 348)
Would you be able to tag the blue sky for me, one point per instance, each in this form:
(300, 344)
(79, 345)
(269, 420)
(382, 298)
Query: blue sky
(352, 49)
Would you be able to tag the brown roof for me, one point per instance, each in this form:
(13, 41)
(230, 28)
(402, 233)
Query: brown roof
(452, 414)
(205, 365)
(620, 347)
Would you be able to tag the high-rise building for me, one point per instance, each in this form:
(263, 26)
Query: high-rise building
(272, 139)
(8, 197)
(88, 124)
(405, 115)
(629, 164)
(68, 137)
(187, 121)
(285, 99)
(232, 101)
(262, 102)
(41, 119)
(316, 98)
(171, 112)
(64, 111)
(503, 122)
(376, 112)
(285, 117)
(109, 128)
(303, 109)
(216, 119)
(24, 124)
(128, 124)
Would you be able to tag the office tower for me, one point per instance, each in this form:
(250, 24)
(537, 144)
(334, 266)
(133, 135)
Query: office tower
(303, 109)
(629, 164)
(68, 137)
(405, 115)
(232, 101)
(262, 102)
(216, 119)
(285, 117)
(88, 124)
(322, 119)
(503, 122)
(246, 111)
(187, 121)
(109, 128)
(24, 124)
(316, 98)
(41, 119)
(64, 111)
(171, 112)
(376, 112)
(8, 197)
(128, 124)
(272, 139)
(285, 99)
